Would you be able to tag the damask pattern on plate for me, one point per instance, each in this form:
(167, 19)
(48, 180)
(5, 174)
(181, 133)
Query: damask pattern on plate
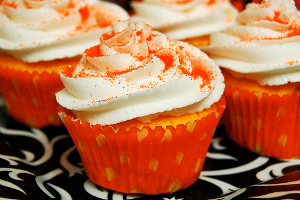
(44, 164)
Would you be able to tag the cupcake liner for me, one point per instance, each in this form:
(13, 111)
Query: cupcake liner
(30, 97)
(147, 160)
(266, 124)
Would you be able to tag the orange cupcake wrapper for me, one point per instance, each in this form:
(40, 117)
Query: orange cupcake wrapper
(268, 124)
(30, 97)
(148, 161)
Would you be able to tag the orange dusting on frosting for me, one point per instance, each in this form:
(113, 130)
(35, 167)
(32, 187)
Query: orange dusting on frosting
(84, 12)
(71, 4)
(107, 36)
(93, 51)
(294, 30)
(10, 4)
(115, 73)
(204, 74)
(210, 2)
(68, 71)
(168, 60)
(198, 71)
(177, 2)
(276, 18)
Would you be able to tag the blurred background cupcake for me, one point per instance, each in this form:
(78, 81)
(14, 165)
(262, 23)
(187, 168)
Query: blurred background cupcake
(189, 21)
(142, 109)
(37, 38)
(259, 57)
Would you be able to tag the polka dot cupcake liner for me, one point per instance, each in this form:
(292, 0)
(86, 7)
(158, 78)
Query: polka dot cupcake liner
(266, 124)
(30, 97)
(148, 160)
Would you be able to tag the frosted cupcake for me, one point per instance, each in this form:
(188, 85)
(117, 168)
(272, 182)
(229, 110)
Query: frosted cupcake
(141, 109)
(191, 21)
(260, 57)
(37, 38)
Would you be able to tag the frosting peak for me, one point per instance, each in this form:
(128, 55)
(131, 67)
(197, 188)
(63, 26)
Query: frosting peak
(182, 19)
(51, 29)
(137, 72)
(263, 45)
(282, 17)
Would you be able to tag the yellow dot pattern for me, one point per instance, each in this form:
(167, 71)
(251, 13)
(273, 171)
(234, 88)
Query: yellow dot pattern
(238, 120)
(236, 95)
(16, 83)
(281, 111)
(179, 157)
(142, 134)
(138, 154)
(12, 96)
(81, 147)
(257, 123)
(109, 173)
(203, 136)
(100, 140)
(174, 186)
(35, 102)
(136, 191)
(167, 135)
(197, 166)
(190, 126)
(153, 165)
(35, 81)
(258, 95)
(54, 119)
(282, 140)
(29, 122)
(258, 149)
(124, 158)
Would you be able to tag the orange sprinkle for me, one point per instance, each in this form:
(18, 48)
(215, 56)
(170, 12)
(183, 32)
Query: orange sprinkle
(93, 51)
(276, 18)
(107, 36)
(71, 4)
(116, 72)
(10, 4)
(68, 71)
(210, 2)
(168, 60)
(178, 2)
(84, 12)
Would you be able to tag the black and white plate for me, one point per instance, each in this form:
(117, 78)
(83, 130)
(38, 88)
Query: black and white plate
(44, 164)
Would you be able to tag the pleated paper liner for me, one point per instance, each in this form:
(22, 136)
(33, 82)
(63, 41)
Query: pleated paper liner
(28, 90)
(150, 159)
(268, 124)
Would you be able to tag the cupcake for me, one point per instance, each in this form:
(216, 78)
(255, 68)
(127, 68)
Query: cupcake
(260, 57)
(37, 38)
(190, 21)
(142, 109)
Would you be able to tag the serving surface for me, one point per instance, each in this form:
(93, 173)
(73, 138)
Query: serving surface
(44, 164)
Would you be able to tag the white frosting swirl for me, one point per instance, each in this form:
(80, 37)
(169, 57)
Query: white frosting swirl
(185, 19)
(52, 29)
(263, 45)
(136, 72)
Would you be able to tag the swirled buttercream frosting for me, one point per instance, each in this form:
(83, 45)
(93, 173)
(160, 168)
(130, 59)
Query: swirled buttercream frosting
(181, 19)
(45, 30)
(263, 45)
(138, 73)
